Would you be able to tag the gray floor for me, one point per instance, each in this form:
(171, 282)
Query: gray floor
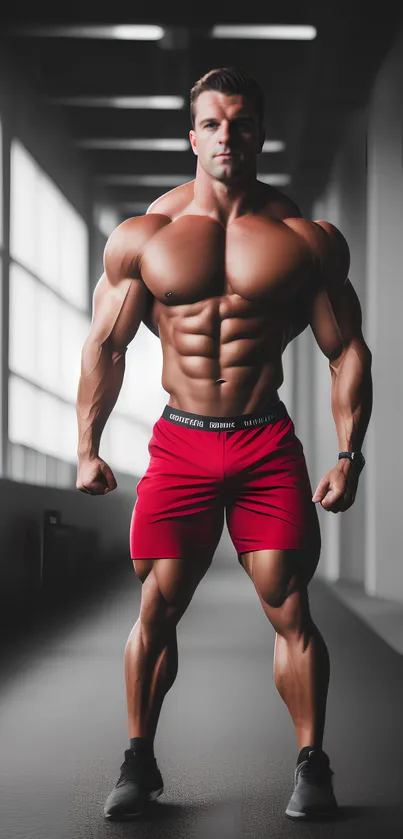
(226, 745)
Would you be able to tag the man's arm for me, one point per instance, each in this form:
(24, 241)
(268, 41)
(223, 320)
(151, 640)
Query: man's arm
(336, 322)
(119, 304)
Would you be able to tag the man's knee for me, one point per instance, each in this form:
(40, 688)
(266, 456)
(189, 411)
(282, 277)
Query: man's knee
(292, 619)
(167, 590)
(157, 613)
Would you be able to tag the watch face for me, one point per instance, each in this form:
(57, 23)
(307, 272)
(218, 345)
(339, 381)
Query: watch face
(356, 457)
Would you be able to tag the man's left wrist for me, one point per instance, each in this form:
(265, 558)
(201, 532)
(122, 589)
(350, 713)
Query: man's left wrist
(356, 458)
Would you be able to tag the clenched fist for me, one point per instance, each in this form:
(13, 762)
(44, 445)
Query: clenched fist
(337, 490)
(95, 477)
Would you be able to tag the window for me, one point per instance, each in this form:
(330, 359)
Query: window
(124, 443)
(49, 322)
(47, 235)
(48, 310)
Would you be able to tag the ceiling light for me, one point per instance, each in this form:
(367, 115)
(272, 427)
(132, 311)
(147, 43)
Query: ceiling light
(273, 146)
(142, 102)
(126, 32)
(282, 32)
(138, 144)
(274, 179)
(145, 180)
(122, 32)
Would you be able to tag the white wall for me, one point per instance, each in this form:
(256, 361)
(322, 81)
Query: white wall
(364, 199)
(384, 572)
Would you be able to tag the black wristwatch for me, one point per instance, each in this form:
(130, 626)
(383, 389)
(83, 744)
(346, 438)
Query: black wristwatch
(357, 458)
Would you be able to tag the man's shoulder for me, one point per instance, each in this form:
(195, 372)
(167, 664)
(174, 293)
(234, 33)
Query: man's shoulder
(172, 203)
(320, 234)
(328, 245)
(335, 253)
(132, 232)
(278, 205)
(126, 242)
(324, 236)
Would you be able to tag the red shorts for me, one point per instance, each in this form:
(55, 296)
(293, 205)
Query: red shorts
(257, 474)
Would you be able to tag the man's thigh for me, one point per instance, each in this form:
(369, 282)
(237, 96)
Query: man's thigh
(172, 580)
(289, 528)
(281, 579)
(178, 507)
(271, 507)
(182, 549)
(178, 537)
(278, 573)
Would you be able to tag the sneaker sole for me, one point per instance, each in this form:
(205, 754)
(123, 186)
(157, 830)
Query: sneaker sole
(152, 796)
(315, 814)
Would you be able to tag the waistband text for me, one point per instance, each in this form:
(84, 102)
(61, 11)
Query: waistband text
(187, 420)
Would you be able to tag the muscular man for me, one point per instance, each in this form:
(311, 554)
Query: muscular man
(226, 272)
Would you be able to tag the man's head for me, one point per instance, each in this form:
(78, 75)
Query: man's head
(226, 107)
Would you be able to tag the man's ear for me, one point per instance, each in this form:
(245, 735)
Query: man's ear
(192, 138)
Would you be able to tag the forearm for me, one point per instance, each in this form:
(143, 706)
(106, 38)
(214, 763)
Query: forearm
(102, 371)
(352, 395)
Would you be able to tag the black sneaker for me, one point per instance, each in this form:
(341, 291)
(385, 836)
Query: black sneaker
(313, 795)
(140, 781)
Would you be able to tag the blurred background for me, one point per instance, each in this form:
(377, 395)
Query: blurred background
(94, 124)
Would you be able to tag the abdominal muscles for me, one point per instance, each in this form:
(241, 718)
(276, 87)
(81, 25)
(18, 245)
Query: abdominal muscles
(222, 356)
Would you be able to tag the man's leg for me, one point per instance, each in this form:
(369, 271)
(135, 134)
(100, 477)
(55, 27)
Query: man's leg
(301, 659)
(150, 668)
(151, 654)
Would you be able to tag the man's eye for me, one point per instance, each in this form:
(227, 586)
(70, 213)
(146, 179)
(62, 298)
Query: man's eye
(209, 124)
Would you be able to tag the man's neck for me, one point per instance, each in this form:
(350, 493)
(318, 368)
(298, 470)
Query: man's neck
(222, 201)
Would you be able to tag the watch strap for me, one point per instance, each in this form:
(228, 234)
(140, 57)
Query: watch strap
(357, 458)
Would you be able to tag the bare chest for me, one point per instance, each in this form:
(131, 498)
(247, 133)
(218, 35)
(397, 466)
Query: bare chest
(195, 258)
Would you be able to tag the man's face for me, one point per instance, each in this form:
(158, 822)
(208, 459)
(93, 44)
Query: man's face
(227, 135)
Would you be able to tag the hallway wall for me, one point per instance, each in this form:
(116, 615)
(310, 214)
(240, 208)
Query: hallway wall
(364, 199)
(102, 522)
(385, 304)
(344, 205)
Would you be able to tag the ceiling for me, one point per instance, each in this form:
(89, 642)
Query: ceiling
(310, 86)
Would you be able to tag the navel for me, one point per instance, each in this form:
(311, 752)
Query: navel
(220, 381)
(168, 294)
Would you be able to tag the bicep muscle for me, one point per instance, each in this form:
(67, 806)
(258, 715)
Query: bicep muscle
(118, 309)
(336, 318)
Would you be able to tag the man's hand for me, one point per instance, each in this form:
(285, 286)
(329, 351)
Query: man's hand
(95, 477)
(337, 490)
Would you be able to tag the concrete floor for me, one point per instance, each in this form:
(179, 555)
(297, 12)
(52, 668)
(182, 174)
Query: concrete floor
(225, 746)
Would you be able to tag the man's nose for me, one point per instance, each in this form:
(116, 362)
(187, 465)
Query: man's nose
(224, 132)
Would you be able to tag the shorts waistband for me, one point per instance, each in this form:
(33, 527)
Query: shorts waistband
(201, 422)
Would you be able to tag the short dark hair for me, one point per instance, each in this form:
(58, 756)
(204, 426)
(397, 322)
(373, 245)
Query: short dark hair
(230, 80)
